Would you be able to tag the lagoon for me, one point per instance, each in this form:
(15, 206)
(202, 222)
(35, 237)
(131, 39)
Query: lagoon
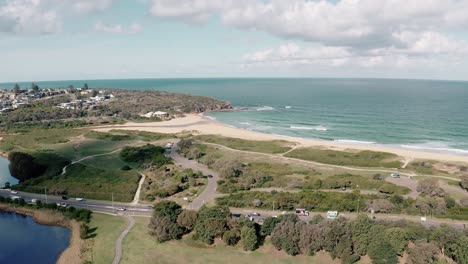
(24, 241)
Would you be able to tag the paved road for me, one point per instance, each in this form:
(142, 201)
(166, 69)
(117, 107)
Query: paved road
(209, 193)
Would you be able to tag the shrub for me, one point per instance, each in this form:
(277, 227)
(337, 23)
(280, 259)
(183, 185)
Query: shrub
(84, 229)
(269, 225)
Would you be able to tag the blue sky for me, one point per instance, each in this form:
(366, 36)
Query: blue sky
(99, 39)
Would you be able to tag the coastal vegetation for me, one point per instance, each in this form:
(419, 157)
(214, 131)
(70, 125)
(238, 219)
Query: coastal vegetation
(271, 147)
(346, 240)
(365, 158)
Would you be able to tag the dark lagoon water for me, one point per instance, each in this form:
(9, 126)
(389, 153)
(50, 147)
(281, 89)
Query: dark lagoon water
(22, 241)
(415, 114)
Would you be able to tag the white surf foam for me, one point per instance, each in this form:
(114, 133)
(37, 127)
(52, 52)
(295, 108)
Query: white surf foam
(288, 107)
(435, 147)
(317, 128)
(265, 108)
(350, 141)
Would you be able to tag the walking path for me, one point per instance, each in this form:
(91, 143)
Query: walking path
(136, 198)
(64, 170)
(118, 243)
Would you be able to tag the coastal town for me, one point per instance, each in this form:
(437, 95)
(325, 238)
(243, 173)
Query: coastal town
(84, 98)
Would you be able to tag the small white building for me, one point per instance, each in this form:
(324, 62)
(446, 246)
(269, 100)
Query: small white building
(158, 114)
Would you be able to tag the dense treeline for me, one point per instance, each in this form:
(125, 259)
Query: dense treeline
(24, 166)
(382, 241)
(349, 202)
(147, 154)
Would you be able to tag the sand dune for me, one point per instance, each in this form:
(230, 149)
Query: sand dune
(199, 124)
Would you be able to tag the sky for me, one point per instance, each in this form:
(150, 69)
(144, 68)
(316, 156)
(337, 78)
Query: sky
(107, 39)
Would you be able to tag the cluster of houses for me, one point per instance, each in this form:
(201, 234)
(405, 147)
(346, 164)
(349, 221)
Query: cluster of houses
(88, 104)
(11, 100)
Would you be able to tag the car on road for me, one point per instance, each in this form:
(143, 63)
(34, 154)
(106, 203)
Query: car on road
(13, 192)
(395, 175)
(64, 198)
(79, 199)
(254, 214)
(121, 209)
(64, 205)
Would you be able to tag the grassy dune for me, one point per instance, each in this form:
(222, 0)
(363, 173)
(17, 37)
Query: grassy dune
(271, 147)
(364, 158)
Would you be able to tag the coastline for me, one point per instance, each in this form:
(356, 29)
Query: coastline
(72, 254)
(200, 124)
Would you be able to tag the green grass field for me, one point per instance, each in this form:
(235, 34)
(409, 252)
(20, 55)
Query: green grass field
(139, 247)
(89, 181)
(364, 158)
(271, 147)
(107, 230)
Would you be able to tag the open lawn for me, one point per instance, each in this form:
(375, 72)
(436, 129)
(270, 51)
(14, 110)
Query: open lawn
(271, 147)
(139, 247)
(364, 158)
(106, 229)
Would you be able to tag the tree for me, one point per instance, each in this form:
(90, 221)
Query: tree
(167, 209)
(23, 166)
(316, 219)
(311, 238)
(211, 223)
(422, 253)
(286, 236)
(249, 238)
(94, 93)
(398, 238)
(85, 86)
(187, 219)
(233, 168)
(164, 230)
(163, 224)
(35, 87)
(17, 89)
(381, 252)
(231, 237)
(269, 225)
(464, 182)
(443, 236)
(430, 187)
(84, 229)
(360, 230)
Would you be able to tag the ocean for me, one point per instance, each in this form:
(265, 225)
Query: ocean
(413, 114)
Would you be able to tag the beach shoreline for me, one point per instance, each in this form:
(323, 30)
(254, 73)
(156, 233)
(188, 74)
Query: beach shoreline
(72, 254)
(201, 124)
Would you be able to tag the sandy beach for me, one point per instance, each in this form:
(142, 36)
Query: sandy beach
(199, 124)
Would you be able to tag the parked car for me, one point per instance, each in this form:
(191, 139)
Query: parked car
(395, 175)
(64, 205)
(64, 197)
(254, 214)
(13, 192)
(209, 176)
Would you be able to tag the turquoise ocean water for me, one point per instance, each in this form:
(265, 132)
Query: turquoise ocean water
(413, 114)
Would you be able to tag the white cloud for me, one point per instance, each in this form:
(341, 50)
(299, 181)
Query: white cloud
(86, 6)
(28, 16)
(191, 11)
(100, 27)
(43, 16)
(347, 22)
